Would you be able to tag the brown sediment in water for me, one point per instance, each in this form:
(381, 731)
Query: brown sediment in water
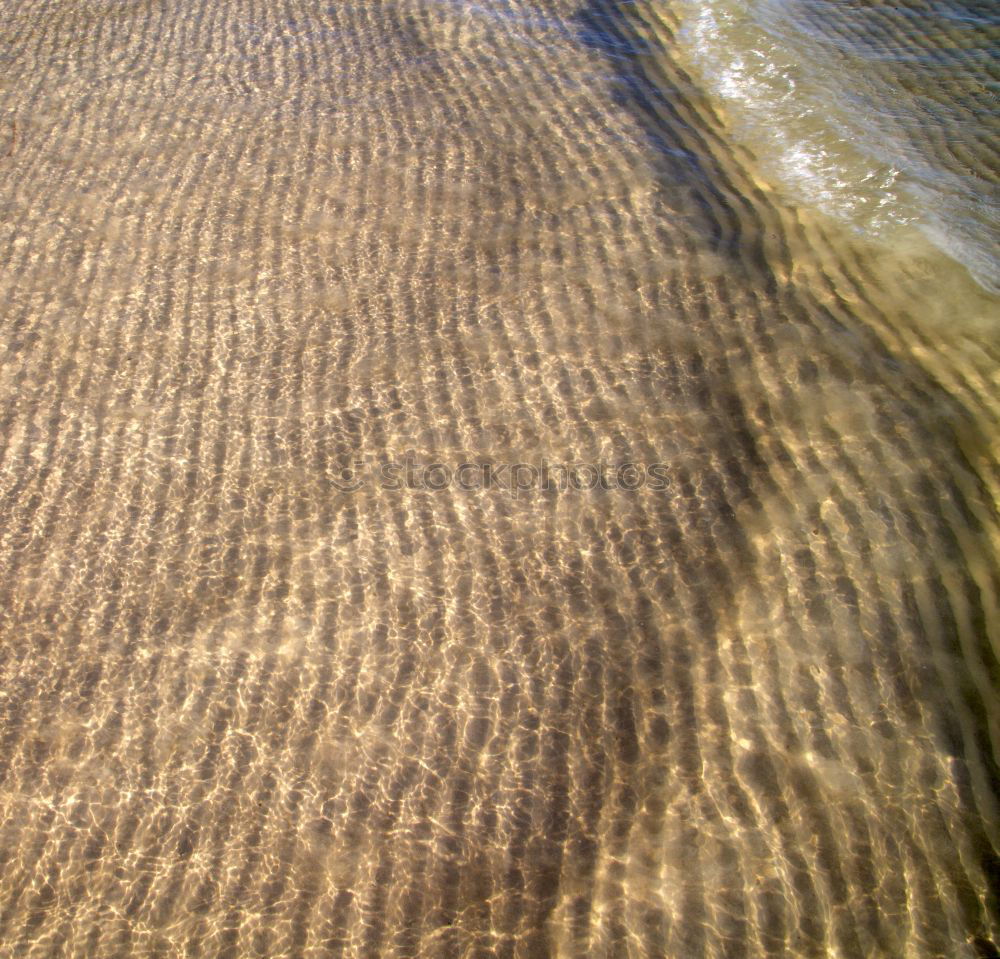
(246, 711)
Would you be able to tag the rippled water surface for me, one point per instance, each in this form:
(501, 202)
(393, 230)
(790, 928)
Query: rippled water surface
(884, 115)
(303, 303)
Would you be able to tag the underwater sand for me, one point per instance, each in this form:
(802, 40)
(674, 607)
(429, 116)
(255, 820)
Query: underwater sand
(257, 702)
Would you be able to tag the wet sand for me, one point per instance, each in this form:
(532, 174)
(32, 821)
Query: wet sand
(249, 710)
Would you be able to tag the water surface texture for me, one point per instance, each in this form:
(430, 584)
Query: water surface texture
(256, 703)
(882, 114)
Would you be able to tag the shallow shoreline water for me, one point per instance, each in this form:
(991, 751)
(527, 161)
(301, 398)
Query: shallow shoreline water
(881, 115)
(257, 701)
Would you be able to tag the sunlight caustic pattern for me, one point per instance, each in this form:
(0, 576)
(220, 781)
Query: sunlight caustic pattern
(247, 712)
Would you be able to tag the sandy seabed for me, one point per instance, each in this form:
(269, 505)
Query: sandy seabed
(247, 709)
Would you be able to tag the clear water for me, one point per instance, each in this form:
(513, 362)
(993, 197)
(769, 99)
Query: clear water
(884, 115)
(502, 479)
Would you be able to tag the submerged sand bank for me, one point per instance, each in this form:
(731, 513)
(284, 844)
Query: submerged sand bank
(247, 711)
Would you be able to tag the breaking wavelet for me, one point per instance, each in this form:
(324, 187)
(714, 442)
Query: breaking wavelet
(881, 114)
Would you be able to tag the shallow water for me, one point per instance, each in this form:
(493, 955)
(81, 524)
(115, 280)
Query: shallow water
(271, 685)
(883, 115)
